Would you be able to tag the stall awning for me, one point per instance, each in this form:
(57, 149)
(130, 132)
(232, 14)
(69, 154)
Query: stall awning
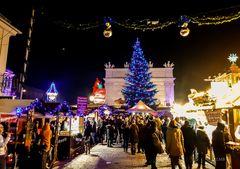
(11, 118)
(8, 109)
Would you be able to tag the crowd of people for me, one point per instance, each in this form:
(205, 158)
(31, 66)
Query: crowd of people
(181, 139)
(139, 133)
(35, 154)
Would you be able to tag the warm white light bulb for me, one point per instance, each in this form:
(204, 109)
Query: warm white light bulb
(237, 132)
(91, 98)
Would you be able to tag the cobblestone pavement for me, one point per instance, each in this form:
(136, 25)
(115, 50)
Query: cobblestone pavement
(103, 157)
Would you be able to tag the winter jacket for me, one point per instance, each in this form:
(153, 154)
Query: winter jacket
(46, 137)
(149, 129)
(218, 142)
(175, 142)
(190, 138)
(134, 133)
(203, 142)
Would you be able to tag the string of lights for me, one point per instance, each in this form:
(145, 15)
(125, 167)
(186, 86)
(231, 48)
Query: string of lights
(151, 25)
(87, 26)
(215, 20)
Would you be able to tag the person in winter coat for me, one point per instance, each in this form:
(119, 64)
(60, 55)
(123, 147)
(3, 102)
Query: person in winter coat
(3, 147)
(219, 147)
(87, 131)
(133, 136)
(174, 144)
(126, 135)
(93, 132)
(190, 142)
(46, 143)
(228, 137)
(110, 134)
(203, 144)
(164, 128)
(150, 150)
(140, 135)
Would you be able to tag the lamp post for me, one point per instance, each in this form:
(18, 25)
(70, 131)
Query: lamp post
(21, 93)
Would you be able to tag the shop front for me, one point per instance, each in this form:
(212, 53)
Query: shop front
(69, 140)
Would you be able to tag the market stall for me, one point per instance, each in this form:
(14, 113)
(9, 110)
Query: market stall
(220, 103)
(69, 142)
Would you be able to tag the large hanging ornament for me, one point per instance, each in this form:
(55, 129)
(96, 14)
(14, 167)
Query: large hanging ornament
(184, 31)
(108, 31)
(183, 23)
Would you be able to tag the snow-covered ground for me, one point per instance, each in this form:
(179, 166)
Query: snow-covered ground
(103, 157)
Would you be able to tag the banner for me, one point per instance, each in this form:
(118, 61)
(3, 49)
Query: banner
(82, 103)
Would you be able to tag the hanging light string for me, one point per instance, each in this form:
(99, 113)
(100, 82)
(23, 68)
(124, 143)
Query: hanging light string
(145, 25)
(66, 24)
(151, 25)
(215, 20)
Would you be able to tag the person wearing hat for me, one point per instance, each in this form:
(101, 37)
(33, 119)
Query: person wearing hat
(190, 142)
(174, 144)
(203, 144)
(150, 150)
(219, 147)
(3, 147)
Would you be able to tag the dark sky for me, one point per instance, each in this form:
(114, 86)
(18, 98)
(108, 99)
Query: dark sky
(74, 58)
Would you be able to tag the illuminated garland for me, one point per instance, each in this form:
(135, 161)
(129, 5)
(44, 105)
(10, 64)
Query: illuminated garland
(67, 25)
(215, 20)
(151, 25)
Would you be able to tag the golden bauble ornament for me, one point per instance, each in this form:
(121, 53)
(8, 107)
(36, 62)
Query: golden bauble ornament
(107, 33)
(184, 32)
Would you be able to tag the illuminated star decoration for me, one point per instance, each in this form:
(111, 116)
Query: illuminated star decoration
(52, 93)
(233, 57)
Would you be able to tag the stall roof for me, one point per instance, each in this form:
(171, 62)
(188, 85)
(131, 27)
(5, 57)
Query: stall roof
(8, 109)
(140, 107)
(9, 105)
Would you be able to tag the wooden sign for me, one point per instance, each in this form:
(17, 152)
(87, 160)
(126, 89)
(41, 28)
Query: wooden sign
(213, 117)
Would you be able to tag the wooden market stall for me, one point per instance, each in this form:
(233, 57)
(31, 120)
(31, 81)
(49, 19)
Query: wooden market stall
(221, 103)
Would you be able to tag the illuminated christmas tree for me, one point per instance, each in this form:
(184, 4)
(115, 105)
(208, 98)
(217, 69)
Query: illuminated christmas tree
(137, 82)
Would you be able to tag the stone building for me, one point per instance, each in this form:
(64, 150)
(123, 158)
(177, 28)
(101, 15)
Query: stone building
(161, 77)
(6, 31)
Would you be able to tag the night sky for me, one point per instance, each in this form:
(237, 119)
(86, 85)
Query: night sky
(74, 58)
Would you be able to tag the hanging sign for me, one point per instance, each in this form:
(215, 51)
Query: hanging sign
(213, 117)
(82, 103)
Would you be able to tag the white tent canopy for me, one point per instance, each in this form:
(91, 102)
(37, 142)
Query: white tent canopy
(141, 107)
